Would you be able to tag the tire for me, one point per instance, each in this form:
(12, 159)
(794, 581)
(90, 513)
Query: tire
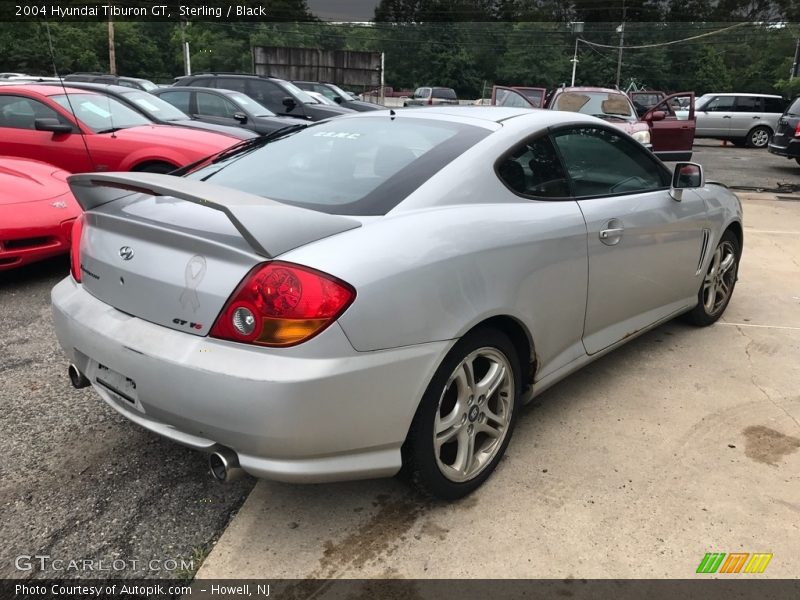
(713, 299)
(759, 137)
(797, 160)
(155, 167)
(473, 410)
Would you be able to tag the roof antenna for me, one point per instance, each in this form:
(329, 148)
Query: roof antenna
(66, 95)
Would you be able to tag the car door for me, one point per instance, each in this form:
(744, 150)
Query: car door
(20, 137)
(644, 247)
(216, 108)
(180, 99)
(672, 138)
(714, 118)
(747, 113)
(506, 96)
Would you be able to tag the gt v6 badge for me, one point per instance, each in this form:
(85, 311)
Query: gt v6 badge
(187, 323)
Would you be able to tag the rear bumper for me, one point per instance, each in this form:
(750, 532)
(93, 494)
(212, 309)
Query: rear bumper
(317, 412)
(790, 150)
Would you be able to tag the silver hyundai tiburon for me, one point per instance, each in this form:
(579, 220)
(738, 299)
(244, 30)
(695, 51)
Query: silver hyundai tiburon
(383, 290)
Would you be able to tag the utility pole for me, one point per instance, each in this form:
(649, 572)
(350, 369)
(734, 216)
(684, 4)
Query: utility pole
(577, 29)
(796, 60)
(112, 53)
(621, 30)
(187, 59)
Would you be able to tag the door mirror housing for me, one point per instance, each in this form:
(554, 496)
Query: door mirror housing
(656, 115)
(687, 175)
(240, 117)
(289, 103)
(53, 125)
(338, 99)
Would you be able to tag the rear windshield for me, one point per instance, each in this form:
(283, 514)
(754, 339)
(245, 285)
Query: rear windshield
(599, 104)
(445, 93)
(359, 166)
(794, 107)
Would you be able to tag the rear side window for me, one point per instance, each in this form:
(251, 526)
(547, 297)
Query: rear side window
(534, 169)
(748, 104)
(774, 105)
(363, 166)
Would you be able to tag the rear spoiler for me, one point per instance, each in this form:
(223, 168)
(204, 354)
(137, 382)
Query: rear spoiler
(269, 227)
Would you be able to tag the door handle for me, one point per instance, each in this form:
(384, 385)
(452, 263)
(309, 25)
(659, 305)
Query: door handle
(756, 117)
(609, 233)
(726, 116)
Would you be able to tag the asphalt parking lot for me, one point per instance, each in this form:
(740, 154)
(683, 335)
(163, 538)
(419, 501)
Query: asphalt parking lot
(683, 442)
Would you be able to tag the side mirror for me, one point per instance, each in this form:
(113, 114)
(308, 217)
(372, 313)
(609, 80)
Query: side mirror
(338, 99)
(289, 103)
(657, 115)
(240, 116)
(53, 125)
(686, 176)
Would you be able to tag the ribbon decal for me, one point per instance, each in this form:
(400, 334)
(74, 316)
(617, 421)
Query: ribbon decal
(193, 274)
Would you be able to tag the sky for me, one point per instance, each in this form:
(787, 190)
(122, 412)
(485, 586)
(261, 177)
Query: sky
(343, 10)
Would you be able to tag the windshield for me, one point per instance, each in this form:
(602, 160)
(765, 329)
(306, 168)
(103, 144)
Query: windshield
(363, 166)
(254, 107)
(794, 108)
(300, 94)
(599, 104)
(101, 113)
(339, 91)
(155, 107)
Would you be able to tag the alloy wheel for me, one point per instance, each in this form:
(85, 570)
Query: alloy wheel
(719, 279)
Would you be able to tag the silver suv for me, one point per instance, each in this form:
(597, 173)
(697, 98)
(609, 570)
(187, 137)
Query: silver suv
(426, 96)
(745, 119)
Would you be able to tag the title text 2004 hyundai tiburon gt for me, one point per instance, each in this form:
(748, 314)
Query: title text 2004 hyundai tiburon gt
(383, 290)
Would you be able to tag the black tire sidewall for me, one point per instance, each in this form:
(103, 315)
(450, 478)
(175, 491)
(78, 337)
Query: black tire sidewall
(753, 131)
(418, 452)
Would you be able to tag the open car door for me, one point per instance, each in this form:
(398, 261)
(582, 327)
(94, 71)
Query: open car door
(518, 97)
(644, 100)
(672, 138)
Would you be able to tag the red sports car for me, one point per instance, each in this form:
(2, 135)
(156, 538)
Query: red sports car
(36, 212)
(81, 131)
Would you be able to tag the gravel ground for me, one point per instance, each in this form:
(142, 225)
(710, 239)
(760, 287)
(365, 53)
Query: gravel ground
(77, 481)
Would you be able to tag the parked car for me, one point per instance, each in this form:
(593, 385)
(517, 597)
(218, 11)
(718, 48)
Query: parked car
(368, 292)
(432, 96)
(108, 79)
(644, 100)
(37, 211)
(322, 99)
(660, 129)
(518, 96)
(337, 95)
(223, 107)
(786, 141)
(744, 119)
(161, 112)
(78, 130)
(280, 97)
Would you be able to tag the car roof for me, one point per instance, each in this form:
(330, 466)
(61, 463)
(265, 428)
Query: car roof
(197, 88)
(741, 94)
(589, 88)
(114, 90)
(45, 90)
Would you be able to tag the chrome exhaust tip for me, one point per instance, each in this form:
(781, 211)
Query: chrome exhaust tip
(224, 465)
(77, 378)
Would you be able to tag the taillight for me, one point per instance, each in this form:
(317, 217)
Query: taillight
(797, 130)
(281, 304)
(75, 248)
